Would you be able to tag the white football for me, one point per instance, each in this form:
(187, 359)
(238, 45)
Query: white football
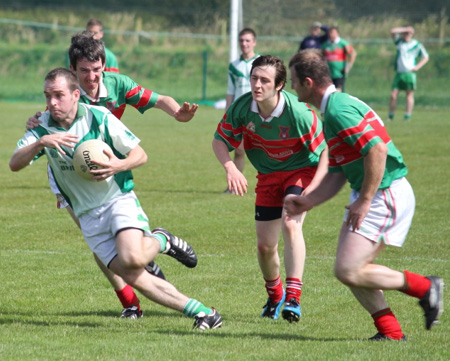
(85, 153)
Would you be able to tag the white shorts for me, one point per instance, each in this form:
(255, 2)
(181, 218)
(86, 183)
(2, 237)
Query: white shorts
(101, 225)
(61, 201)
(390, 215)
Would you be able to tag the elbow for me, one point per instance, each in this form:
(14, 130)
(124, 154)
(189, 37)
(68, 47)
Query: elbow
(14, 167)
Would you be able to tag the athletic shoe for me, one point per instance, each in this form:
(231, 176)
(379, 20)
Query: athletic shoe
(155, 270)
(178, 249)
(205, 322)
(131, 312)
(433, 303)
(272, 309)
(292, 311)
(381, 337)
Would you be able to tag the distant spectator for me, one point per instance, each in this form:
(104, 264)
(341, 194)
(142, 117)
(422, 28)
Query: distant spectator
(340, 56)
(95, 26)
(239, 82)
(318, 35)
(409, 50)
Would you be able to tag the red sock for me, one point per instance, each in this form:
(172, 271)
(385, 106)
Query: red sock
(387, 324)
(415, 285)
(293, 288)
(127, 297)
(274, 289)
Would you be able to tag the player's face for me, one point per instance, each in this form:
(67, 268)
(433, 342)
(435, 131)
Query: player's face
(303, 91)
(262, 82)
(333, 35)
(61, 102)
(97, 31)
(247, 43)
(89, 74)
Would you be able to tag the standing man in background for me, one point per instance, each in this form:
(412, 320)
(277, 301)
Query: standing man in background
(95, 26)
(239, 81)
(409, 50)
(340, 56)
(318, 35)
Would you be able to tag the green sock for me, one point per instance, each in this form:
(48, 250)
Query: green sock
(193, 307)
(162, 240)
(391, 115)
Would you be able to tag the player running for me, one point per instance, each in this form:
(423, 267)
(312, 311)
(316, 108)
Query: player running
(283, 140)
(381, 203)
(113, 91)
(112, 220)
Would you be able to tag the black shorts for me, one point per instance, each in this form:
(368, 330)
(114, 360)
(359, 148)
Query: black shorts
(339, 83)
(270, 213)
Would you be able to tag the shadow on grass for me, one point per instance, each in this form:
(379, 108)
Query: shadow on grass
(57, 319)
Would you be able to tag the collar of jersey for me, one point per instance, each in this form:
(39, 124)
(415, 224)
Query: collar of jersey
(275, 113)
(323, 105)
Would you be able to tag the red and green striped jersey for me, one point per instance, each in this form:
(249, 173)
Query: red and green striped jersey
(336, 55)
(290, 139)
(351, 128)
(111, 63)
(118, 90)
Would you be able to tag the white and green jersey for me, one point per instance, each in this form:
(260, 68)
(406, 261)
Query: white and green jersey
(239, 76)
(408, 52)
(92, 122)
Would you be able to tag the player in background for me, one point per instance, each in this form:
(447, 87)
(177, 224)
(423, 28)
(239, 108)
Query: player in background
(407, 63)
(340, 56)
(381, 203)
(95, 27)
(318, 35)
(121, 237)
(113, 91)
(283, 140)
(239, 81)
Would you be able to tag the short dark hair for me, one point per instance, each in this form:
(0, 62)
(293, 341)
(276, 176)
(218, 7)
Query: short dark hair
(335, 27)
(94, 22)
(247, 31)
(72, 81)
(83, 45)
(311, 63)
(277, 63)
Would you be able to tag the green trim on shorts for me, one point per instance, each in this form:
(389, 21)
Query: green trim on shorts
(405, 81)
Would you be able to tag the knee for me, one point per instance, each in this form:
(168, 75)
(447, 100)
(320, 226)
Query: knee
(133, 262)
(346, 275)
(266, 249)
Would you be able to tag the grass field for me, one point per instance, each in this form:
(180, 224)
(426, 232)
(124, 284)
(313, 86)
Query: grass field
(56, 305)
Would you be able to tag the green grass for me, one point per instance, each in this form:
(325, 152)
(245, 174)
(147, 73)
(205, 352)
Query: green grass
(56, 305)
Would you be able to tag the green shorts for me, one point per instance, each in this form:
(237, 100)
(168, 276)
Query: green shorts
(404, 81)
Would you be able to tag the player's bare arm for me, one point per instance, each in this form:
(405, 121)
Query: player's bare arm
(322, 170)
(183, 114)
(329, 186)
(236, 181)
(374, 168)
(135, 158)
(22, 157)
(33, 121)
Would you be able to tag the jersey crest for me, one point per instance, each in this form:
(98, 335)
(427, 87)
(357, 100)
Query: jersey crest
(284, 132)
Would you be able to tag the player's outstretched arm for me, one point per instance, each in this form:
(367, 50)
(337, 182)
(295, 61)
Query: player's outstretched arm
(183, 114)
